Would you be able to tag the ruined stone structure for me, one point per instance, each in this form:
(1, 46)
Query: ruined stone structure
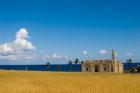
(106, 65)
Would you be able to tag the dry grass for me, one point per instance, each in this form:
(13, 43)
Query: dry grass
(51, 82)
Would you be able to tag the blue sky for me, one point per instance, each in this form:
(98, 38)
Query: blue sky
(63, 29)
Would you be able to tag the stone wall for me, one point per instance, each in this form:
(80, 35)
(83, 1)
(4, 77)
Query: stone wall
(102, 66)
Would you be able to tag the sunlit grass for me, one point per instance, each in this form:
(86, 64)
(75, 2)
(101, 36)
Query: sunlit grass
(52, 82)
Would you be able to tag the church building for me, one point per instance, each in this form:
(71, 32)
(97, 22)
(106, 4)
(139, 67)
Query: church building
(106, 65)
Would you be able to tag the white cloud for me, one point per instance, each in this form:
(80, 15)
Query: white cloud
(23, 43)
(84, 52)
(6, 49)
(18, 49)
(22, 33)
(129, 54)
(103, 51)
(54, 56)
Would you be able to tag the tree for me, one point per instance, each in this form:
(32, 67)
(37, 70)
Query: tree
(76, 61)
(129, 60)
(70, 65)
(70, 62)
(82, 62)
(58, 67)
(48, 65)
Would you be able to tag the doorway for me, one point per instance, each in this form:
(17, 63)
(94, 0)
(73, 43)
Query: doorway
(87, 69)
(96, 68)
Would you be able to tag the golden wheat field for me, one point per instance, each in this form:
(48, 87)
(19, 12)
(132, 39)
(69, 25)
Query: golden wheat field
(54, 82)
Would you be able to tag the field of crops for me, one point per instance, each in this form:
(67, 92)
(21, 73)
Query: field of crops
(52, 82)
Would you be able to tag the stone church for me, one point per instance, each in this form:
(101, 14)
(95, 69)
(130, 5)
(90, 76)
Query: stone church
(106, 65)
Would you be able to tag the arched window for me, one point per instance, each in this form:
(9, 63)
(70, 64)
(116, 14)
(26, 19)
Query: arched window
(105, 69)
(87, 68)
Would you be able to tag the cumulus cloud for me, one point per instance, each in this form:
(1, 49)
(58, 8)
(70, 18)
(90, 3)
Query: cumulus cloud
(19, 48)
(6, 49)
(84, 52)
(21, 39)
(22, 33)
(24, 44)
(103, 51)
